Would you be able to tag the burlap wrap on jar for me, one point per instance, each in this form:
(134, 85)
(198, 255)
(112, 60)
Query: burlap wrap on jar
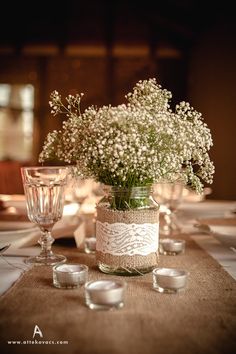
(127, 240)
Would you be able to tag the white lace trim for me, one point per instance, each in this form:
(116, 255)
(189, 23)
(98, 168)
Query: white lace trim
(120, 239)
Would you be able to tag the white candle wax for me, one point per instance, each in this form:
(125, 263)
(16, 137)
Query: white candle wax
(105, 294)
(169, 280)
(170, 246)
(69, 275)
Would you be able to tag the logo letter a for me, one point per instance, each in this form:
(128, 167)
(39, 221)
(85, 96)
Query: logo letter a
(38, 331)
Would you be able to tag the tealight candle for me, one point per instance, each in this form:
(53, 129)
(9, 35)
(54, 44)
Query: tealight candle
(171, 247)
(105, 294)
(90, 244)
(169, 280)
(69, 276)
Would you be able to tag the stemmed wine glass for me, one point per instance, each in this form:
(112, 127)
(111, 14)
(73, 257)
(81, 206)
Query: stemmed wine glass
(44, 189)
(169, 196)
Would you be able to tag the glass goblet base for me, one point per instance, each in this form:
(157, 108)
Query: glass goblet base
(46, 260)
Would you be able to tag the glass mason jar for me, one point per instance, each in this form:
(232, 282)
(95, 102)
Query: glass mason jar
(127, 231)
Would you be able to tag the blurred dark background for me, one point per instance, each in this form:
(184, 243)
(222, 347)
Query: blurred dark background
(102, 48)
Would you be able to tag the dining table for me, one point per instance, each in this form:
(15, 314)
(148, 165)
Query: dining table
(37, 317)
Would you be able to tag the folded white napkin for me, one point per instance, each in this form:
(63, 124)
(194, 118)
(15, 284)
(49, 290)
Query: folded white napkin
(224, 234)
(77, 222)
(206, 209)
(11, 268)
(26, 236)
(223, 254)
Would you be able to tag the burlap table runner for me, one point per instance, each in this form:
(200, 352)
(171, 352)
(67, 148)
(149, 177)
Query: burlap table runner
(200, 320)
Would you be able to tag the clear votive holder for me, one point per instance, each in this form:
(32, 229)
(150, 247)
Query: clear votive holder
(169, 280)
(171, 247)
(90, 244)
(69, 276)
(105, 294)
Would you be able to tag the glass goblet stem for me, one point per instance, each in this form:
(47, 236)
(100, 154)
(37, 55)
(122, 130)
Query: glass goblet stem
(46, 256)
(46, 240)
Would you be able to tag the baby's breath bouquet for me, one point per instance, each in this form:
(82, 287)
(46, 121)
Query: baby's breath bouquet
(130, 147)
(138, 143)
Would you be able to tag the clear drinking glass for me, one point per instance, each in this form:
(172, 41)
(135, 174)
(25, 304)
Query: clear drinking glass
(44, 189)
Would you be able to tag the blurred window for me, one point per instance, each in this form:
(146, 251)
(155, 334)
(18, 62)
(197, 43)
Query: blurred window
(16, 122)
